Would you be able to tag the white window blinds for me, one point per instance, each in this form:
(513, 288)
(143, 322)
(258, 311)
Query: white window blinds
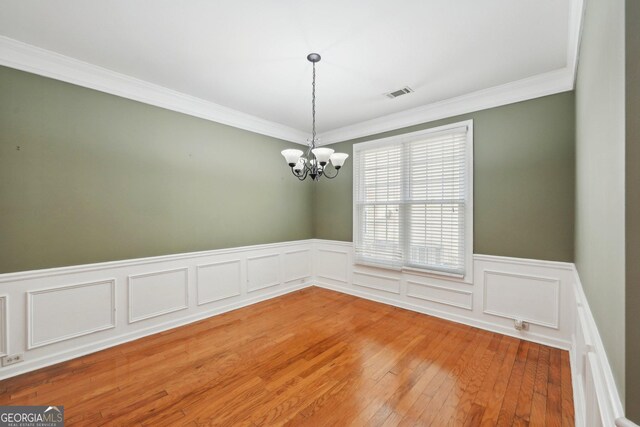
(410, 201)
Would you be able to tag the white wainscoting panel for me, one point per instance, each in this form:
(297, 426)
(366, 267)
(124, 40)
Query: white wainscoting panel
(534, 299)
(66, 312)
(219, 280)
(61, 313)
(156, 293)
(333, 264)
(4, 325)
(72, 311)
(263, 272)
(297, 265)
(379, 282)
(595, 395)
(503, 290)
(440, 294)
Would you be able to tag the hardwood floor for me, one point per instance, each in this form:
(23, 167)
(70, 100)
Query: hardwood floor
(312, 358)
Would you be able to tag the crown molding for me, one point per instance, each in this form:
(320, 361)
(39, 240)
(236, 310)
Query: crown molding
(25, 57)
(576, 18)
(557, 81)
(533, 87)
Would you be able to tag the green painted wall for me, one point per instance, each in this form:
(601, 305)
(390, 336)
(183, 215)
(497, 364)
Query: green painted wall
(523, 181)
(632, 296)
(600, 174)
(99, 178)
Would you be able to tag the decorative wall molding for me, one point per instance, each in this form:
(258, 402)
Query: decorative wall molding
(40, 360)
(446, 297)
(140, 262)
(440, 294)
(556, 265)
(561, 80)
(333, 265)
(595, 394)
(263, 272)
(60, 309)
(377, 281)
(576, 17)
(158, 293)
(218, 280)
(125, 293)
(550, 83)
(25, 57)
(526, 289)
(297, 265)
(444, 313)
(4, 325)
(596, 398)
(572, 326)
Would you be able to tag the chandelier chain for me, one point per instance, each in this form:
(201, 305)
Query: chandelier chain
(313, 107)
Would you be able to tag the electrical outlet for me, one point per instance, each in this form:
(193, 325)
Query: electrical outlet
(520, 325)
(10, 360)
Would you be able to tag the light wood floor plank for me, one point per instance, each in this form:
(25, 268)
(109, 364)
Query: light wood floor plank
(310, 358)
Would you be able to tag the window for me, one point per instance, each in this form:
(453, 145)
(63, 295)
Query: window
(413, 200)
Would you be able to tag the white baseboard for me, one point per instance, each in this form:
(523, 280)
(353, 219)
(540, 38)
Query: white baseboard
(125, 300)
(492, 302)
(74, 352)
(199, 285)
(561, 319)
(540, 339)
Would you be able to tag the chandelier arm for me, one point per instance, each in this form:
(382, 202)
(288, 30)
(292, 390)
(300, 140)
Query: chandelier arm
(308, 167)
(301, 176)
(326, 175)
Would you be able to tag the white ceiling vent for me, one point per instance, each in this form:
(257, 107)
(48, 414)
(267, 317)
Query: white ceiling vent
(396, 93)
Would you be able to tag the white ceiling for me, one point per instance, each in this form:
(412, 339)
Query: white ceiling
(250, 56)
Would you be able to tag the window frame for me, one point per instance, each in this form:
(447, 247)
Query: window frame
(401, 139)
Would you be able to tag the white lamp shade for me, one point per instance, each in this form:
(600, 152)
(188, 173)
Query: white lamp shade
(291, 156)
(338, 159)
(322, 154)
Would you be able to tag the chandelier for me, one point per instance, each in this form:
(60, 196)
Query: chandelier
(315, 162)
